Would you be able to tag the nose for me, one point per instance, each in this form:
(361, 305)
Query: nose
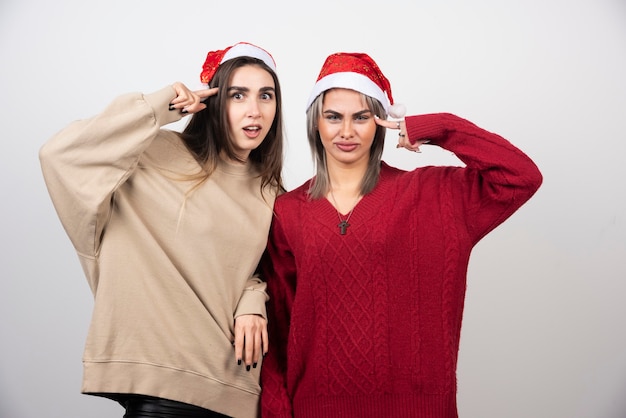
(346, 128)
(254, 110)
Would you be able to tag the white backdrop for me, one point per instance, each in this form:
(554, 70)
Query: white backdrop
(544, 332)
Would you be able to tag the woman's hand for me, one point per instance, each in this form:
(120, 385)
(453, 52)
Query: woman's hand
(251, 339)
(188, 101)
(403, 138)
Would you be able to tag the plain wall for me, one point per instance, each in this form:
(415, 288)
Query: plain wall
(543, 332)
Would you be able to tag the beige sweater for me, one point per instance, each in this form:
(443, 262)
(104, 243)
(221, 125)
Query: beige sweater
(169, 275)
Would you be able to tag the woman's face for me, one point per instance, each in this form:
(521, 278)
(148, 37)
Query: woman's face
(251, 107)
(346, 127)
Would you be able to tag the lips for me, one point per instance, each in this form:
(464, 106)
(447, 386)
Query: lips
(346, 146)
(252, 131)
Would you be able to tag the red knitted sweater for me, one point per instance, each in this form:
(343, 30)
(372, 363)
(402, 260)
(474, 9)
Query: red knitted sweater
(367, 324)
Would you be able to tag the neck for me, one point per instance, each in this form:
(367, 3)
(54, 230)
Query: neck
(345, 194)
(346, 180)
(242, 156)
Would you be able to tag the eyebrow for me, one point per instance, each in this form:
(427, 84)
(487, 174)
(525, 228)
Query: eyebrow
(359, 113)
(246, 89)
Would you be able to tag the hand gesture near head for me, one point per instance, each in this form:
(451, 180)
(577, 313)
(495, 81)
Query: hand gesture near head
(187, 101)
(403, 138)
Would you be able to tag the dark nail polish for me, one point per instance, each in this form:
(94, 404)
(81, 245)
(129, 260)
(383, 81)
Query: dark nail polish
(238, 362)
(247, 367)
(172, 107)
(254, 365)
(183, 111)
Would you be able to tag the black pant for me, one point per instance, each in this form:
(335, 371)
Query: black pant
(139, 406)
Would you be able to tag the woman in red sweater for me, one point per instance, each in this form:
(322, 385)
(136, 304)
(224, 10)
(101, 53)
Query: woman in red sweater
(366, 263)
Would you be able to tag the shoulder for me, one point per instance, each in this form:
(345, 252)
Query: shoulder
(396, 178)
(169, 150)
(387, 170)
(167, 141)
(390, 174)
(299, 194)
(290, 204)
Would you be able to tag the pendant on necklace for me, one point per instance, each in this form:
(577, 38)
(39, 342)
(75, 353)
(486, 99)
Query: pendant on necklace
(343, 226)
(343, 223)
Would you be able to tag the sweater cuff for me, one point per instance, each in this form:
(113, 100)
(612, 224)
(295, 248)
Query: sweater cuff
(159, 101)
(430, 126)
(252, 302)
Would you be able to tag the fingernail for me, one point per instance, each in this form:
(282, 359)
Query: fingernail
(184, 111)
(254, 365)
(238, 362)
(172, 107)
(247, 367)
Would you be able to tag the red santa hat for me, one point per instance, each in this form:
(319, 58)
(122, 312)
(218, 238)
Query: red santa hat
(241, 49)
(359, 72)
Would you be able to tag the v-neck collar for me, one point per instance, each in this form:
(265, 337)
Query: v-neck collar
(366, 208)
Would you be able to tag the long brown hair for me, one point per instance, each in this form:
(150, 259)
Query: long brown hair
(208, 132)
(320, 185)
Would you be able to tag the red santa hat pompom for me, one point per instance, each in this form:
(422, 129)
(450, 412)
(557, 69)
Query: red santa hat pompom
(359, 72)
(241, 49)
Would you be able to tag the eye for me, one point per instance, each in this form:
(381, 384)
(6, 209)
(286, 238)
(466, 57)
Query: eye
(331, 117)
(267, 96)
(237, 95)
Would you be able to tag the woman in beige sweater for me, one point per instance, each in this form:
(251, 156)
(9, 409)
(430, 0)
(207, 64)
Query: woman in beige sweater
(169, 228)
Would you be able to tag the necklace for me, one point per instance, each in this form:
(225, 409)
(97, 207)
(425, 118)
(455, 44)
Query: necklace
(343, 223)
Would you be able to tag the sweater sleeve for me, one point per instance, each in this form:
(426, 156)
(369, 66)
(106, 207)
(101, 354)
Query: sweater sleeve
(498, 178)
(278, 267)
(253, 298)
(87, 161)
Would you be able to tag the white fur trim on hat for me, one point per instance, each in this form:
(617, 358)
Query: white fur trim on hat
(352, 81)
(245, 49)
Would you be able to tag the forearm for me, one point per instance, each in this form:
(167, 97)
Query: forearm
(500, 163)
(497, 180)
